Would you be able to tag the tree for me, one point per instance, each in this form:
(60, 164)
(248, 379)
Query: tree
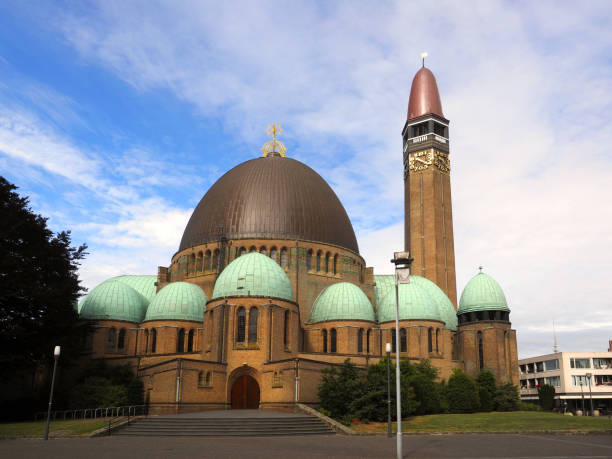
(339, 388)
(39, 287)
(461, 393)
(546, 394)
(506, 397)
(486, 390)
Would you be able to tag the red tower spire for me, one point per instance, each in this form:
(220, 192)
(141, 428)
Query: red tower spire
(424, 95)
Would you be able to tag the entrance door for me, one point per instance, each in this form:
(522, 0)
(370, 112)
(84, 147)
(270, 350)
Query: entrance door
(245, 393)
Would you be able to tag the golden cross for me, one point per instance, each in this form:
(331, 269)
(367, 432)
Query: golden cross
(274, 130)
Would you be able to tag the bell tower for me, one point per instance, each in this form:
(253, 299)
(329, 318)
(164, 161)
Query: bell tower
(428, 226)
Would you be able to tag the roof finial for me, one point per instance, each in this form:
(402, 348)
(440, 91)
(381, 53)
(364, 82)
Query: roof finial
(274, 147)
(423, 56)
(480, 269)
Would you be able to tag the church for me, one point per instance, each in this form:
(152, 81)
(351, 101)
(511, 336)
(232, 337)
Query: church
(268, 287)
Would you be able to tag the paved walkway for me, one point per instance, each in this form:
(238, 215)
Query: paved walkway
(415, 446)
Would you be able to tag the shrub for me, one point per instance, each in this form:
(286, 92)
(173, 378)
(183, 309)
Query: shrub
(526, 406)
(486, 390)
(506, 397)
(462, 394)
(339, 388)
(546, 394)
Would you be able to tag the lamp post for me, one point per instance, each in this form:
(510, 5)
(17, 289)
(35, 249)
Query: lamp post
(582, 393)
(402, 261)
(56, 354)
(389, 429)
(589, 376)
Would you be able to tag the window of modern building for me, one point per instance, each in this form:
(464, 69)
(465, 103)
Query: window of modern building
(121, 339)
(190, 340)
(110, 339)
(403, 340)
(309, 259)
(333, 344)
(522, 369)
(360, 341)
(602, 364)
(283, 260)
(241, 328)
(550, 365)
(324, 338)
(539, 367)
(153, 340)
(553, 381)
(253, 313)
(480, 351)
(576, 379)
(605, 380)
(580, 363)
(180, 343)
(286, 329)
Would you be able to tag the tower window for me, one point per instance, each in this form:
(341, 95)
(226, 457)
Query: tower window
(480, 351)
(429, 340)
(393, 340)
(153, 341)
(324, 338)
(286, 329)
(319, 261)
(273, 254)
(241, 329)
(253, 325)
(190, 341)
(335, 270)
(360, 341)
(180, 345)
(403, 341)
(110, 340)
(283, 258)
(419, 129)
(262, 250)
(368, 340)
(333, 344)
(309, 259)
(439, 129)
(121, 340)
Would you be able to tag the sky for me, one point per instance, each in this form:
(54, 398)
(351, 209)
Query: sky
(117, 116)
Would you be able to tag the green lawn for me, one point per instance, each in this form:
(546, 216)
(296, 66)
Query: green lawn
(57, 428)
(492, 422)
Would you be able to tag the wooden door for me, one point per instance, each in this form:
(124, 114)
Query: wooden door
(245, 393)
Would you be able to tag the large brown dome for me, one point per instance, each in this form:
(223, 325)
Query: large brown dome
(270, 198)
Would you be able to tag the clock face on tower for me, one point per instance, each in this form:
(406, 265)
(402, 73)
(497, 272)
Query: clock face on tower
(420, 160)
(442, 162)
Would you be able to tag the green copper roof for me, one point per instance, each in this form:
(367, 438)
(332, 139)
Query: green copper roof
(445, 306)
(342, 301)
(113, 300)
(384, 283)
(416, 302)
(178, 301)
(145, 285)
(253, 274)
(482, 293)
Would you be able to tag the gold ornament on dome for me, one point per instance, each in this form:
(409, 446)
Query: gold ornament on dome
(274, 147)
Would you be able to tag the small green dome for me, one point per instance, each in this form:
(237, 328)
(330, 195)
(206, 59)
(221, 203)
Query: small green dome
(342, 301)
(253, 274)
(178, 301)
(384, 283)
(482, 293)
(416, 302)
(145, 285)
(113, 300)
(445, 306)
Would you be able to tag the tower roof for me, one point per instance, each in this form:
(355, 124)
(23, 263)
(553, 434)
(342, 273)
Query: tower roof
(482, 293)
(178, 301)
(342, 301)
(424, 95)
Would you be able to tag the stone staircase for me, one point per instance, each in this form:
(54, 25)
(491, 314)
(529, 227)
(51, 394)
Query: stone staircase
(222, 426)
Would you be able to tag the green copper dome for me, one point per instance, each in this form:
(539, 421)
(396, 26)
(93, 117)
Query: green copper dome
(416, 302)
(445, 306)
(342, 301)
(145, 285)
(482, 293)
(178, 301)
(253, 274)
(113, 300)
(384, 283)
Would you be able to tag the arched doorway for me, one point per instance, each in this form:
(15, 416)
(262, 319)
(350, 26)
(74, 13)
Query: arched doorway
(245, 393)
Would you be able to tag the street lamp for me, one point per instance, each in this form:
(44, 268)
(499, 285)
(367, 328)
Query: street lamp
(589, 375)
(56, 354)
(402, 261)
(389, 431)
(582, 393)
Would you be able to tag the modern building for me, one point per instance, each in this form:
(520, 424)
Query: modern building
(268, 287)
(576, 376)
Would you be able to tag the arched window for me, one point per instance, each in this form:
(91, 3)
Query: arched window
(241, 328)
(201, 378)
(335, 270)
(309, 259)
(110, 339)
(393, 341)
(274, 254)
(333, 345)
(198, 266)
(286, 329)
(253, 249)
(121, 340)
(403, 340)
(324, 337)
(480, 351)
(263, 250)
(283, 260)
(368, 340)
(429, 341)
(190, 341)
(208, 380)
(242, 250)
(146, 341)
(327, 262)
(207, 261)
(253, 313)
(180, 344)
(318, 261)
(153, 340)
(216, 260)
(192, 263)
(437, 340)
(360, 341)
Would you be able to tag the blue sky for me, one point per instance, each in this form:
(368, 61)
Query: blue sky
(116, 117)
